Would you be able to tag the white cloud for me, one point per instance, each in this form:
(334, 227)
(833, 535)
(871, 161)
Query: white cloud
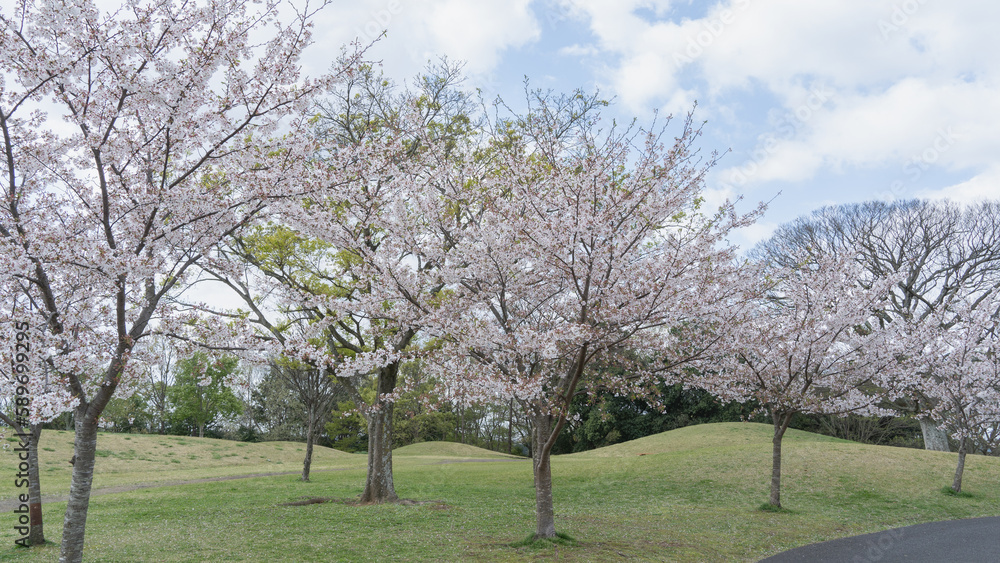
(984, 186)
(912, 123)
(909, 82)
(748, 237)
(646, 70)
(422, 30)
(576, 50)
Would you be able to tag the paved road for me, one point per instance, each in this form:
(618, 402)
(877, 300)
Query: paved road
(976, 540)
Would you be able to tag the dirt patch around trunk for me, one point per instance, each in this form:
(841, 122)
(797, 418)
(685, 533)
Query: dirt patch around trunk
(305, 501)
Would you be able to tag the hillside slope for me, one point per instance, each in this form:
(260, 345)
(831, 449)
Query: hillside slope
(149, 458)
(449, 449)
(688, 495)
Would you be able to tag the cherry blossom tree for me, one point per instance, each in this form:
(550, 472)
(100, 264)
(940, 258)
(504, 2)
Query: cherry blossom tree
(959, 359)
(586, 244)
(816, 344)
(347, 291)
(343, 268)
(320, 319)
(943, 250)
(133, 141)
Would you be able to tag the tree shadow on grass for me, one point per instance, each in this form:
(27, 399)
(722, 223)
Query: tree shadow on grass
(305, 501)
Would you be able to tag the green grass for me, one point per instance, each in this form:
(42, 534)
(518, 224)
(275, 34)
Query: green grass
(437, 450)
(139, 458)
(951, 492)
(688, 495)
(768, 507)
(541, 543)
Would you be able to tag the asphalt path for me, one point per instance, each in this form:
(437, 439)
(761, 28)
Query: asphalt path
(976, 540)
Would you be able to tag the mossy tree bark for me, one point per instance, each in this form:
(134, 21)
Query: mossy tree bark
(547, 426)
(379, 487)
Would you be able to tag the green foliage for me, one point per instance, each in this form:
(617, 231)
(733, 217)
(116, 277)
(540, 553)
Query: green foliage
(347, 429)
(425, 427)
(247, 434)
(608, 419)
(127, 415)
(277, 410)
(413, 422)
(294, 258)
(200, 405)
(902, 431)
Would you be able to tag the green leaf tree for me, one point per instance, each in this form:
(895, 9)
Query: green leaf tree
(347, 429)
(200, 395)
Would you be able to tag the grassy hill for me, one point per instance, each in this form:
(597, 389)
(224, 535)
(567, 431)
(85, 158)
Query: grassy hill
(149, 458)
(686, 495)
(449, 450)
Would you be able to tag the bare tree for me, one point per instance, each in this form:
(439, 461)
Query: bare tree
(317, 392)
(159, 378)
(944, 251)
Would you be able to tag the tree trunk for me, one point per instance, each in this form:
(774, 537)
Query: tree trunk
(956, 485)
(546, 430)
(37, 535)
(542, 465)
(309, 449)
(781, 421)
(201, 430)
(85, 449)
(935, 438)
(30, 438)
(378, 484)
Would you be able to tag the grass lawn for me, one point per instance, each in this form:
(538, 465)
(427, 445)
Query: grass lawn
(686, 495)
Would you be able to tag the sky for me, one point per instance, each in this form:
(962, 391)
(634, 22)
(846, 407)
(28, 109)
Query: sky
(812, 102)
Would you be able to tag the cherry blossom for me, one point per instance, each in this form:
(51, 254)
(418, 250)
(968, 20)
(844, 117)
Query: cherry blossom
(133, 142)
(957, 366)
(575, 246)
(816, 343)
